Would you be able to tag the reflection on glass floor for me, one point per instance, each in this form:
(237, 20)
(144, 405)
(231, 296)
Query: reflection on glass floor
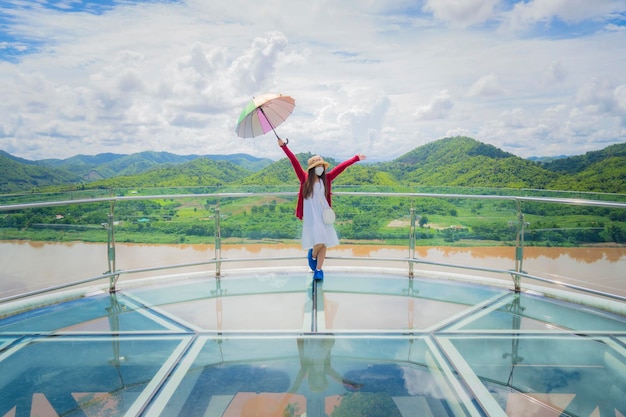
(275, 344)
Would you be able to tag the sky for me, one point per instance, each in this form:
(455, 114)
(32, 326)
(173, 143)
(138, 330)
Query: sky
(379, 77)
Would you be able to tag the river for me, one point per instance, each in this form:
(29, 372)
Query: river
(28, 265)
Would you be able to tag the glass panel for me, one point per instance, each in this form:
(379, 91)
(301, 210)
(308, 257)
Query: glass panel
(234, 304)
(598, 268)
(448, 290)
(56, 263)
(317, 375)
(209, 286)
(369, 312)
(80, 376)
(548, 375)
(527, 312)
(243, 312)
(4, 342)
(101, 313)
(385, 303)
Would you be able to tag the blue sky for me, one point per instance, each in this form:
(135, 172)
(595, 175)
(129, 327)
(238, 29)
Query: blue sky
(534, 78)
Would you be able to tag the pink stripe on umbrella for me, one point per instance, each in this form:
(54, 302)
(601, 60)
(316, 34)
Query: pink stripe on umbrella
(265, 124)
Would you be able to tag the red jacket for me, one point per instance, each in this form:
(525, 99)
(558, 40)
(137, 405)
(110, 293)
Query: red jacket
(302, 175)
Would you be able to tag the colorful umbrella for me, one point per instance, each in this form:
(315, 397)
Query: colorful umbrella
(263, 114)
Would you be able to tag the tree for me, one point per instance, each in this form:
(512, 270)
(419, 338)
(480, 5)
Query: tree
(366, 404)
(423, 220)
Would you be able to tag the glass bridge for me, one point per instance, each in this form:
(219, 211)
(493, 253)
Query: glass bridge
(368, 340)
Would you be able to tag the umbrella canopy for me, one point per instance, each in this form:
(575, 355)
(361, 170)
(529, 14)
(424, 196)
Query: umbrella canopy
(263, 114)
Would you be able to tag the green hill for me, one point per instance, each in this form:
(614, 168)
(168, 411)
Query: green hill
(281, 173)
(243, 160)
(580, 163)
(465, 162)
(108, 165)
(277, 173)
(455, 161)
(607, 175)
(17, 175)
(199, 172)
(602, 171)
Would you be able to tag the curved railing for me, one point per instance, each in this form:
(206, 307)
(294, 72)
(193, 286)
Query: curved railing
(519, 224)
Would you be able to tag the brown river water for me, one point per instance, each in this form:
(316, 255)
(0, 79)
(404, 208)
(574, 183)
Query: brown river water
(28, 265)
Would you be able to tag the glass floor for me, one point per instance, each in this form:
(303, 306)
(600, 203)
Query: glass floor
(276, 344)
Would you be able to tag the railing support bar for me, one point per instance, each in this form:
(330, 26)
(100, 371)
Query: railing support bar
(412, 242)
(110, 226)
(218, 243)
(519, 247)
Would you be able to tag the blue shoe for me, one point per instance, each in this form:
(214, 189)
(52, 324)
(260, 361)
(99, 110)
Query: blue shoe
(312, 262)
(318, 275)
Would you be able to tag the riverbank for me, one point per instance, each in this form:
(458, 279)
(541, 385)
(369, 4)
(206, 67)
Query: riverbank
(101, 236)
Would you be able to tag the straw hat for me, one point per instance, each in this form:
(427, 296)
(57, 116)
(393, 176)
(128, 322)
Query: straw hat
(316, 161)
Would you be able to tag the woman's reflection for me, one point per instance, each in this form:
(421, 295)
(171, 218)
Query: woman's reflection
(315, 365)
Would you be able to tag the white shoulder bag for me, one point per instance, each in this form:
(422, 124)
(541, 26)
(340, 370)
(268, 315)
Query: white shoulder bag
(328, 215)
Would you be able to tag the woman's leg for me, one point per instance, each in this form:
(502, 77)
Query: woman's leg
(319, 253)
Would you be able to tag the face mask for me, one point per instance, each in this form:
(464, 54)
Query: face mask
(319, 171)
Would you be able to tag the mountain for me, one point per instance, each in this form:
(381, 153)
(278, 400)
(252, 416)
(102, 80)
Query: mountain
(106, 165)
(18, 175)
(198, 172)
(580, 163)
(15, 158)
(277, 173)
(80, 160)
(455, 161)
(607, 175)
(601, 171)
(465, 162)
(243, 160)
(281, 173)
(545, 159)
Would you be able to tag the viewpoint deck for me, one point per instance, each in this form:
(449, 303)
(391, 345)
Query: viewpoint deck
(274, 343)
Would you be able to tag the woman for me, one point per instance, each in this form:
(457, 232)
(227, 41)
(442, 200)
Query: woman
(313, 197)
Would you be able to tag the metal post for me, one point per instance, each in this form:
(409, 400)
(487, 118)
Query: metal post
(218, 242)
(412, 242)
(519, 246)
(110, 226)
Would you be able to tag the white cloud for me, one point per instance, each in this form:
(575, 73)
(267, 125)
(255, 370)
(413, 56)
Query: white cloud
(438, 108)
(600, 96)
(458, 132)
(556, 73)
(462, 13)
(525, 14)
(486, 86)
(380, 78)
(620, 100)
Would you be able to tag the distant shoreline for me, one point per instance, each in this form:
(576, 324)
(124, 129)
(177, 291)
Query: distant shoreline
(346, 242)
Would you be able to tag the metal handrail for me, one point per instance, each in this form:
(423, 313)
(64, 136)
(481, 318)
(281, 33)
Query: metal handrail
(114, 274)
(567, 201)
(292, 258)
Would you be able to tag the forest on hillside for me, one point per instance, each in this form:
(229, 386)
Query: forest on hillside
(452, 162)
(453, 166)
(361, 217)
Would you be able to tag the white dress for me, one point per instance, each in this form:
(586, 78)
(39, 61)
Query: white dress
(314, 230)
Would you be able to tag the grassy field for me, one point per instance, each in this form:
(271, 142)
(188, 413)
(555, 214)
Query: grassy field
(363, 220)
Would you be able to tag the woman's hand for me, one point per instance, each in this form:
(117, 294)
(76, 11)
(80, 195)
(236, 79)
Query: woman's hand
(361, 156)
(282, 143)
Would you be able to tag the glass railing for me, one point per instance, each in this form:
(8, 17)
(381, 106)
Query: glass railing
(524, 238)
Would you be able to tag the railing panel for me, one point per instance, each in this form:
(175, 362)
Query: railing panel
(577, 238)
